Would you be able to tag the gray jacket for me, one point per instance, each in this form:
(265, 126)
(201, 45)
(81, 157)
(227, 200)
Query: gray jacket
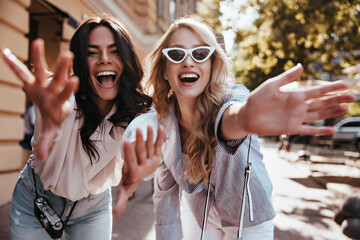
(227, 179)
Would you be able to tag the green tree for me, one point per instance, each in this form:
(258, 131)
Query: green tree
(320, 34)
(209, 13)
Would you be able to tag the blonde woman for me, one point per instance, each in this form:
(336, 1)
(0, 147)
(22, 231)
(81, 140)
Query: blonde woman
(210, 145)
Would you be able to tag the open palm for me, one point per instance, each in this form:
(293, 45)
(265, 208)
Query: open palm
(274, 112)
(141, 158)
(51, 97)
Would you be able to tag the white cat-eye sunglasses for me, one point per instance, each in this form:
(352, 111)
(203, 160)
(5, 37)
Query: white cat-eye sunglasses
(199, 54)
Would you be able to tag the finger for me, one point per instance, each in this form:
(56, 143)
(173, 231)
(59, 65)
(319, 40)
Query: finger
(150, 142)
(38, 60)
(159, 141)
(61, 72)
(70, 87)
(326, 113)
(320, 91)
(130, 156)
(20, 70)
(313, 130)
(331, 101)
(288, 76)
(140, 147)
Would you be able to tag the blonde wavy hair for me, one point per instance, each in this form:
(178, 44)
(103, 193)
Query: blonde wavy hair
(201, 143)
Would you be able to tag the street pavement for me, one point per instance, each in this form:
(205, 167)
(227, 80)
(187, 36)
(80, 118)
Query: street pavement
(306, 196)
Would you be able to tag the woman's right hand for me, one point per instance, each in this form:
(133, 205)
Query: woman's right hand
(270, 111)
(51, 97)
(142, 158)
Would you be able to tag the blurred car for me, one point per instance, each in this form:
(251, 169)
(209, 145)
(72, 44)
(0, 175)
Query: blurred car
(347, 131)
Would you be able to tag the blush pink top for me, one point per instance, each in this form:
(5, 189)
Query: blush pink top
(68, 172)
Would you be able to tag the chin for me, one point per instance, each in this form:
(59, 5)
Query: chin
(110, 98)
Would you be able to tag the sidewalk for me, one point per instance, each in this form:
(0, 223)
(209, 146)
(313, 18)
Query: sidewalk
(305, 209)
(331, 168)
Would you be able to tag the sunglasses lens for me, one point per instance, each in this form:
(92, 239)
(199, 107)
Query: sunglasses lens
(176, 54)
(201, 53)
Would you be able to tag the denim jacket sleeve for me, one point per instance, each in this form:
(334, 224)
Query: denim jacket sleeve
(166, 196)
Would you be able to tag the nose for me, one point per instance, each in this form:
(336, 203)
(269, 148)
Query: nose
(104, 57)
(188, 61)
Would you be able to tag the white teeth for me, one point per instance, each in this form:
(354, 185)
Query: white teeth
(188, 75)
(106, 73)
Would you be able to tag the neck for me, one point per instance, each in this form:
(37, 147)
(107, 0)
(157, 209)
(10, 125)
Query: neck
(187, 115)
(104, 107)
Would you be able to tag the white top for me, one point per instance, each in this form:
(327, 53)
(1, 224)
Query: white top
(68, 172)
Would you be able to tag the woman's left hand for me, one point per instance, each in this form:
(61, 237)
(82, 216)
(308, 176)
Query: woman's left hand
(141, 159)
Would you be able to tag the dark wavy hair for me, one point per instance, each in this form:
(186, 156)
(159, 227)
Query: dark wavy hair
(130, 99)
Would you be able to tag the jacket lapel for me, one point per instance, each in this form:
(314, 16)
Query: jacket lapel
(172, 154)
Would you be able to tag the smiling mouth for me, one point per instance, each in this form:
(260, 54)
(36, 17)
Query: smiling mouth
(106, 78)
(189, 77)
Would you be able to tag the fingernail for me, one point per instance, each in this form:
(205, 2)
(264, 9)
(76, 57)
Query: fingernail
(6, 51)
(9, 54)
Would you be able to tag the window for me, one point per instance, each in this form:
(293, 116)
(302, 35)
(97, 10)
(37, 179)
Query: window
(351, 124)
(160, 8)
(172, 8)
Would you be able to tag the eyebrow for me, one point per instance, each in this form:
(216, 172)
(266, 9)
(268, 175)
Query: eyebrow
(96, 46)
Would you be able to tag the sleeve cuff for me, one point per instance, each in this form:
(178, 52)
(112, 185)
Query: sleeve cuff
(171, 231)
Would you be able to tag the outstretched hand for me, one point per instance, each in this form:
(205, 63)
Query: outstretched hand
(270, 111)
(51, 97)
(141, 159)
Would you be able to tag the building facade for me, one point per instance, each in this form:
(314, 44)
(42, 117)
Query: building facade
(55, 21)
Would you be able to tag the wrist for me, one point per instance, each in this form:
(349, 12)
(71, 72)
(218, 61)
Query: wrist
(130, 186)
(243, 120)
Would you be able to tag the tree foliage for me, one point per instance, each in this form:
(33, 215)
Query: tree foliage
(209, 12)
(322, 35)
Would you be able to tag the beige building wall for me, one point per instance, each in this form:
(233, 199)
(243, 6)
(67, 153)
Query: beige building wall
(147, 20)
(13, 28)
